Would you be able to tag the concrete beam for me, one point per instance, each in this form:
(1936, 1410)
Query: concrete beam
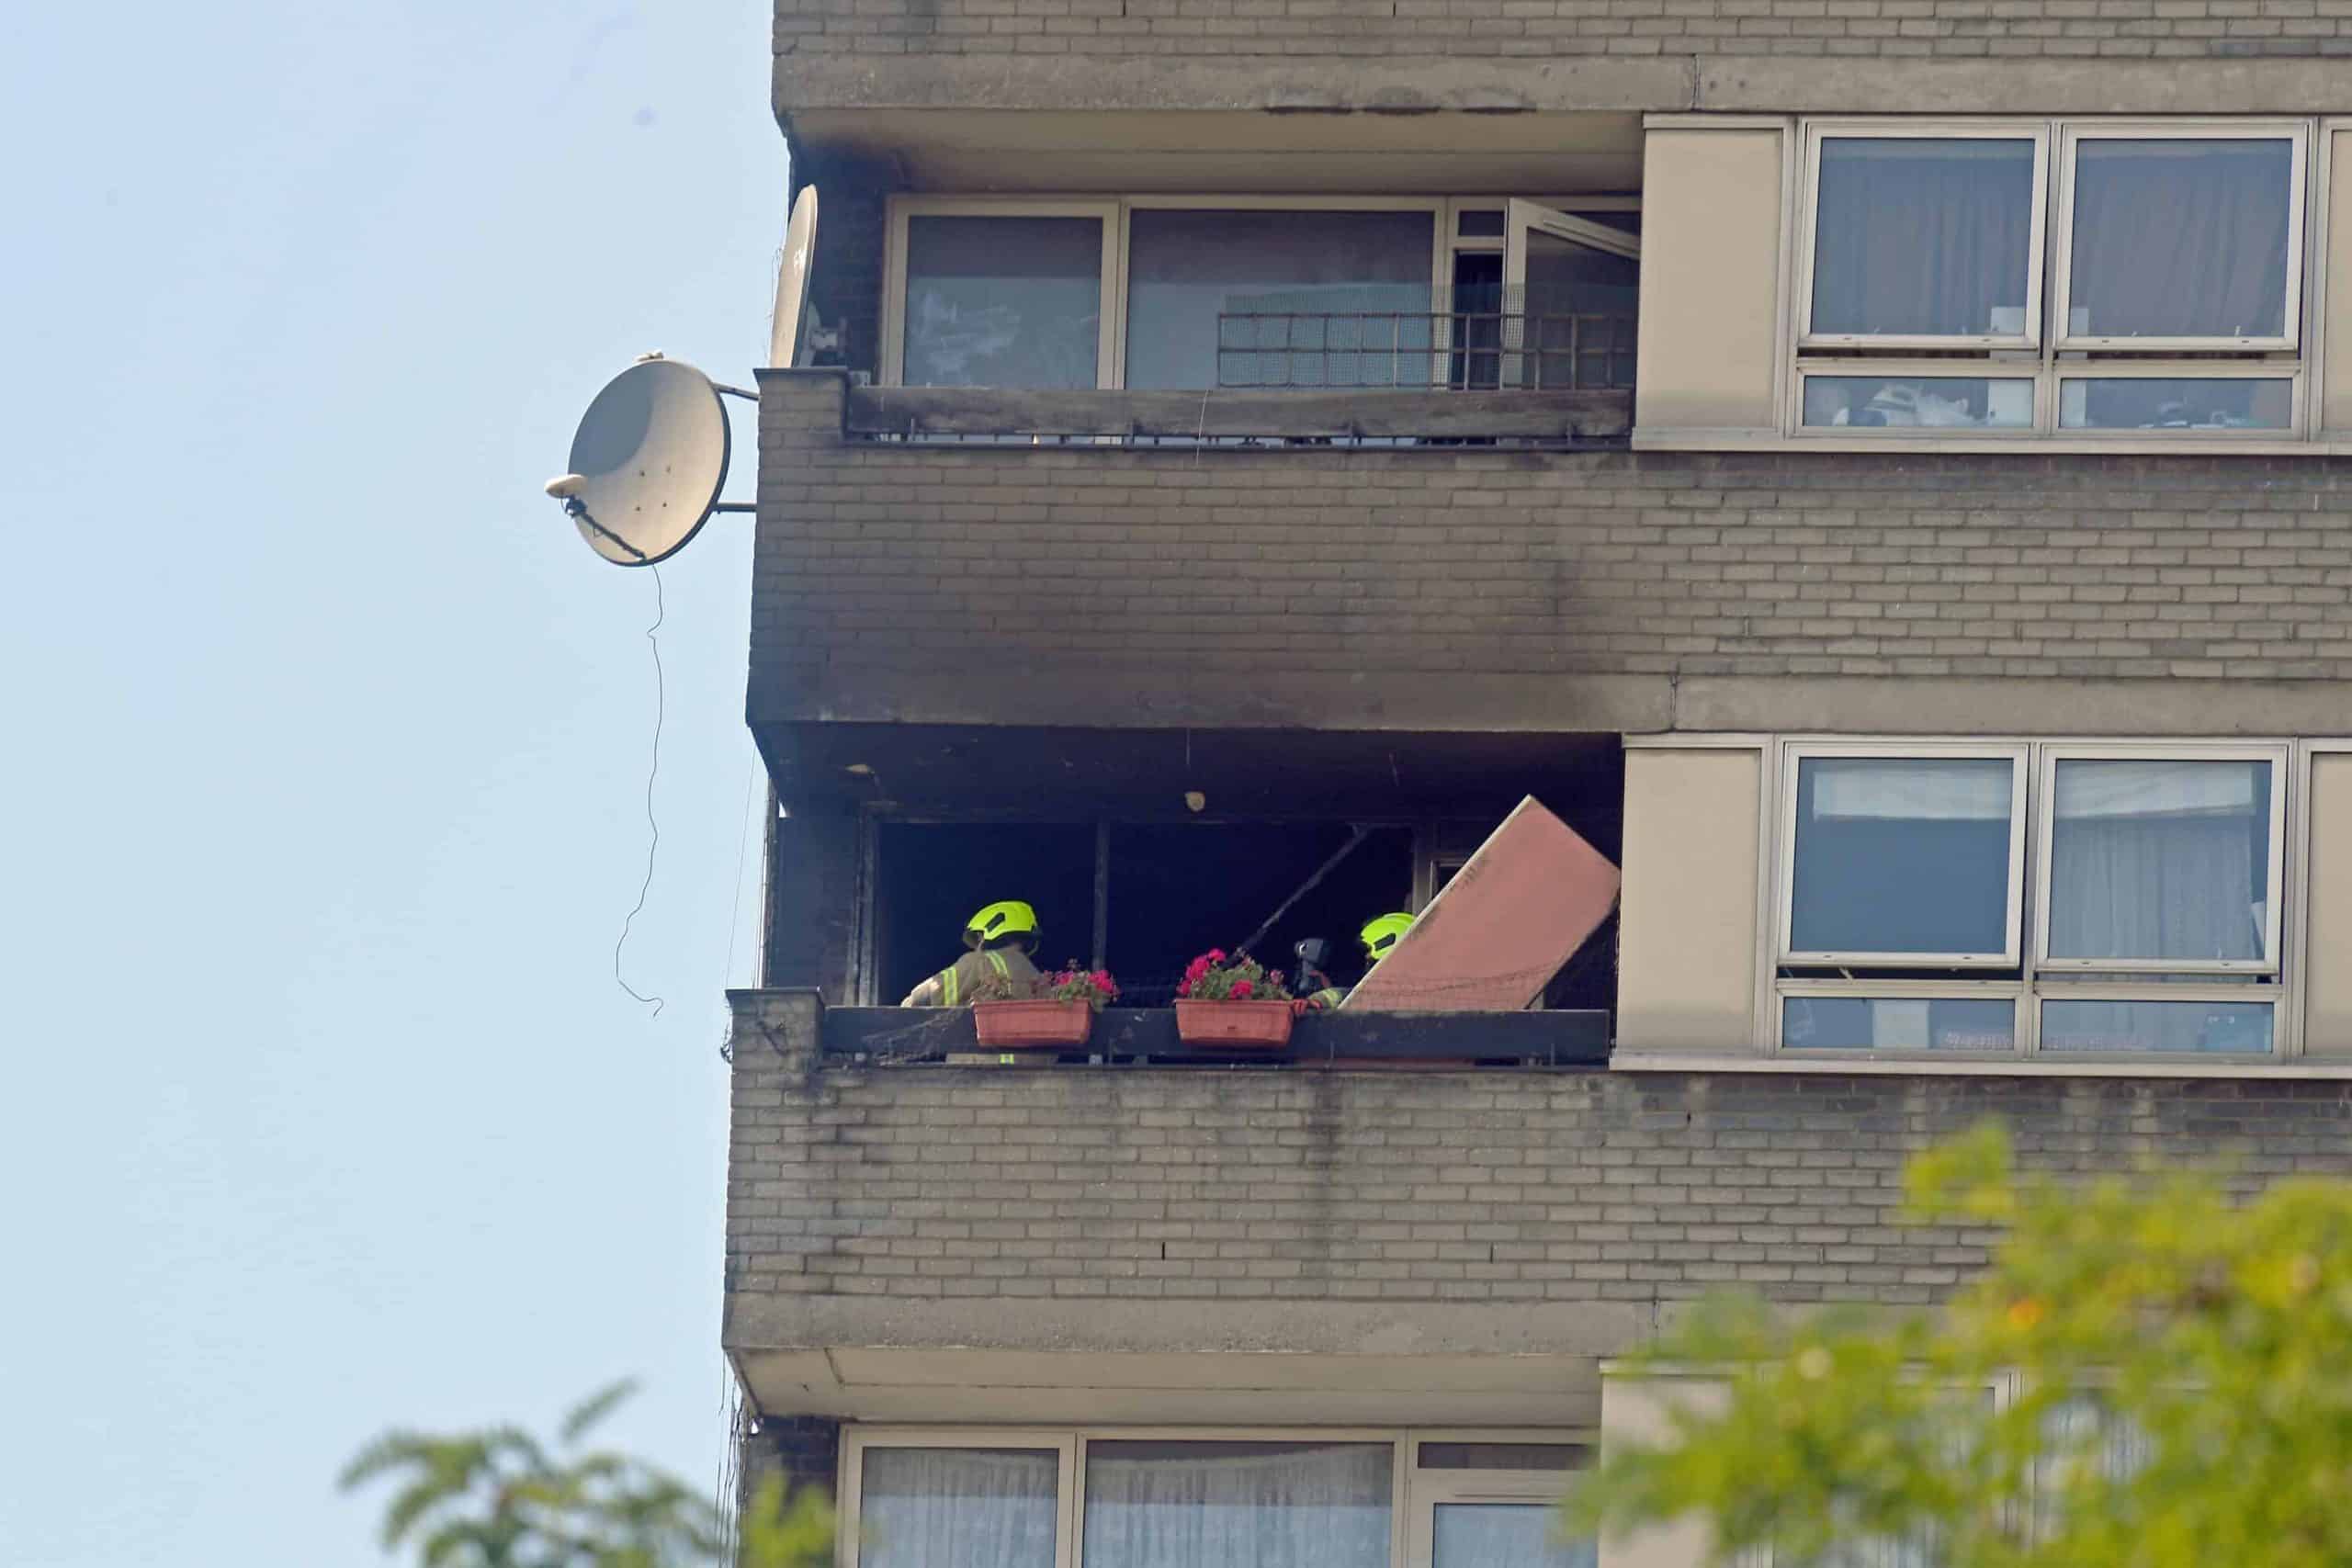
(1282, 86)
(1088, 694)
(1012, 1359)
(873, 1323)
(1991, 706)
(881, 83)
(1796, 85)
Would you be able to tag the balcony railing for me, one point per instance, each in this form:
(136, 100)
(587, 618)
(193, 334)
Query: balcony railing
(1503, 348)
(1147, 1036)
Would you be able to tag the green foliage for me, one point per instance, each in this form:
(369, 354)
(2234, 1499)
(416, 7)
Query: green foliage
(499, 1498)
(2212, 1340)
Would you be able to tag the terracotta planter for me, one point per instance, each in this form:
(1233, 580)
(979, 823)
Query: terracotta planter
(1034, 1025)
(1233, 1023)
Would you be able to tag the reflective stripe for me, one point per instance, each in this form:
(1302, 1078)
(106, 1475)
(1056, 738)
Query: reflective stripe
(996, 962)
(947, 986)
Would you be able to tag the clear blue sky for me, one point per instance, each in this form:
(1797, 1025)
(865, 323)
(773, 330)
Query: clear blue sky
(326, 737)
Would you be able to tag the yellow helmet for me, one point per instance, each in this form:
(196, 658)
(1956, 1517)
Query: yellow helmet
(1008, 917)
(1381, 932)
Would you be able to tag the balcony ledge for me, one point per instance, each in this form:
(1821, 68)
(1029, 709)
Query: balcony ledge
(1600, 417)
(914, 1036)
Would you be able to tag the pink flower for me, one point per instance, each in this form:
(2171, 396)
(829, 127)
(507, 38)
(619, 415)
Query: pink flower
(1241, 990)
(1185, 990)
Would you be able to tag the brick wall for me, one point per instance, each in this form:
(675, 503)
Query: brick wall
(881, 558)
(1490, 28)
(1493, 1187)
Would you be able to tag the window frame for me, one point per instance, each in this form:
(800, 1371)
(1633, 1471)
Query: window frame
(1811, 368)
(849, 1475)
(1116, 211)
(2272, 982)
(2015, 992)
(890, 362)
(1441, 211)
(1409, 1498)
(2046, 767)
(2046, 352)
(1794, 753)
(1432, 1489)
(2176, 370)
(2038, 131)
(2063, 990)
(2072, 133)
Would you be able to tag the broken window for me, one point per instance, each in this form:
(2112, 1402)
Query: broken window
(928, 878)
(1180, 889)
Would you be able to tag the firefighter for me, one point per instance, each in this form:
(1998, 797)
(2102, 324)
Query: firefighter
(1001, 937)
(1379, 936)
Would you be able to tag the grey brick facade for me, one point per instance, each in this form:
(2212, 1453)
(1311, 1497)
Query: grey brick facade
(1541, 28)
(878, 562)
(1485, 1187)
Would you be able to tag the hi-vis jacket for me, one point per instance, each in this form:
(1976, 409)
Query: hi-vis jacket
(957, 983)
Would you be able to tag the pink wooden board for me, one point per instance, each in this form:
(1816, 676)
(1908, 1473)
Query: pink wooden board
(1494, 935)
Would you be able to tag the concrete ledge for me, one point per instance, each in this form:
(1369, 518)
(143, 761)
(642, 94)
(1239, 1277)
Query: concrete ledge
(2240, 1069)
(1798, 84)
(1014, 1360)
(1334, 85)
(833, 1324)
(1085, 694)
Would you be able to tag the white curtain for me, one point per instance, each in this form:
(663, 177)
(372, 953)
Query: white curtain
(2084, 1434)
(2158, 860)
(971, 1508)
(1151, 1505)
(1505, 1535)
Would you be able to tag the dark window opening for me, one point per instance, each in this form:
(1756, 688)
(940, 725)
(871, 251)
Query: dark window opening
(1178, 889)
(928, 878)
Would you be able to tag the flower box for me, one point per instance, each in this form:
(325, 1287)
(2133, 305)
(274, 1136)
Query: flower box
(1250, 1023)
(1035, 1025)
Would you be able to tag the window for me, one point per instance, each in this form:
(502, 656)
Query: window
(2171, 404)
(987, 1507)
(1870, 833)
(1924, 239)
(1348, 291)
(2191, 240)
(1203, 1504)
(1910, 402)
(1181, 1499)
(2159, 863)
(1185, 293)
(1006, 298)
(2127, 903)
(2106, 278)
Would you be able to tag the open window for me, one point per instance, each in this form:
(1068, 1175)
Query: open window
(1570, 289)
(927, 878)
(1177, 890)
(1299, 292)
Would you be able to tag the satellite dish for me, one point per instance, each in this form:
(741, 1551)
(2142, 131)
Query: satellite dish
(646, 463)
(792, 282)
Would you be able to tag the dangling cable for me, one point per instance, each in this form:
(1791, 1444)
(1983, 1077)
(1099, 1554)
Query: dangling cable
(660, 705)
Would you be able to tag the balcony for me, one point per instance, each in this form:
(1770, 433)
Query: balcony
(1556, 418)
(895, 1037)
